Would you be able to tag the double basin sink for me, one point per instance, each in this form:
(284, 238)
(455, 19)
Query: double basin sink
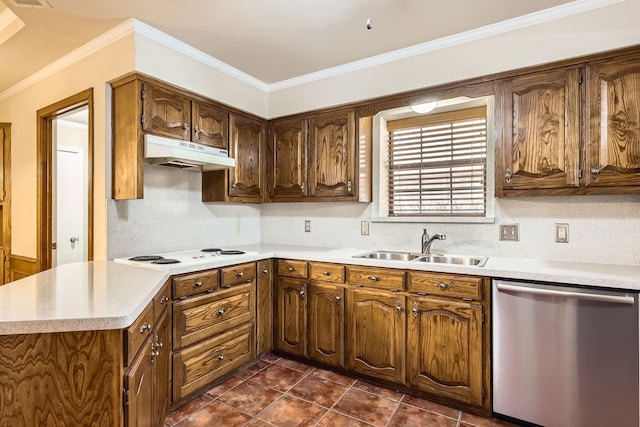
(430, 258)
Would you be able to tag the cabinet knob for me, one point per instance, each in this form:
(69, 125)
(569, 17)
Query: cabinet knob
(145, 327)
(221, 357)
(508, 175)
(338, 299)
(443, 285)
(220, 312)
(399, 308)
(164, 300)
(196, 130)
(239, 274)
(186, 129)
(302, 292)
(415, 309)
(594, 172)
(374, 278)
(265, 271)
(326, 273)
(303, 187)
(197, 284)
(349, 186)
(234, 185)
(291, 269)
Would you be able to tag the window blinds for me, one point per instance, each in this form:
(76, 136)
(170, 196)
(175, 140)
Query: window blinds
(438, 164)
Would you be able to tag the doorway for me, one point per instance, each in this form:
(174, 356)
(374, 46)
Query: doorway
(65, 190)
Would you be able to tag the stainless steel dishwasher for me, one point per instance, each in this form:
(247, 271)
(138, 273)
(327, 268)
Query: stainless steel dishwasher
(565, 356)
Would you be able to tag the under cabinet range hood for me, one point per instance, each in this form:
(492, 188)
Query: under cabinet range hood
(185, 154)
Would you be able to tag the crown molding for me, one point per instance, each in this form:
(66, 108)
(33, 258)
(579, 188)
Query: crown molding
(562, 11)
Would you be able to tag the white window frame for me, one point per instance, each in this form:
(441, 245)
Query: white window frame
(380, 206)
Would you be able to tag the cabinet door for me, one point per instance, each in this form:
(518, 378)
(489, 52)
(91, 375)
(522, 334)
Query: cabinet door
(613, 100)
(326, 324)
(247, 144)
(332, 148)
(138, 382)
(376, 334)
(165, 112)
(288, 145)
(161, 368)
(541, 132)
(291, 316)
(445, 348)
(264, 318)
(210, 125)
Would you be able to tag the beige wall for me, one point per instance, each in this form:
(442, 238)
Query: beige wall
(20, 110)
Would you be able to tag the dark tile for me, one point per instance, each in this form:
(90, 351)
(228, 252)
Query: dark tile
(319, 391)
(380, 391)
(367, 407)
(250, 397)
(216, 414)
(332, 376)
(292, 364)
(228, 384)
(253, 369)
(278, 377)
(411, 416)
(292, 412)
(469, 420)
(334, 419)
(187, 409)
(431, 406)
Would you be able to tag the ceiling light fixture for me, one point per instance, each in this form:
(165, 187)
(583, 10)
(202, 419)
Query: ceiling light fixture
(425, 107)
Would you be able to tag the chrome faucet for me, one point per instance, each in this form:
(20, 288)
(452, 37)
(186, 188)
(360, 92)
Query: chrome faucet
(427, 241)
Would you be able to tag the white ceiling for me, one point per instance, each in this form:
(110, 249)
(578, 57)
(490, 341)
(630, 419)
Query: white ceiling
(272, 40)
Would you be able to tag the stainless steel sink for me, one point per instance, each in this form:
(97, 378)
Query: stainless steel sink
(389, 255)
(431, 258)
(454, 259)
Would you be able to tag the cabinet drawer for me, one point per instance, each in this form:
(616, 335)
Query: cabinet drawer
(137, 333)
(197, 366)
(450, 285)
(376, 277)
(161, 301)
(326, 272)
(238, 274)
(292, 268)
(197, 283)
(203, 316)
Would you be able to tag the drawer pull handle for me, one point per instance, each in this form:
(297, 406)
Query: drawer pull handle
(221, 357)
(302, 292)
(239, 274)
(163, 300)
(415, 309)
(326, 273)
(220, 312)
(197, 284)
(443, 285)
(265, 271)
(375, 278)
(291, 269)
(145, 327)
(248, 281)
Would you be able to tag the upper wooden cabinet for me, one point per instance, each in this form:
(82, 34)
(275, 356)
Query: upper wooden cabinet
(210, 125)
(541, 132)
(165, 112)
(613, 104)
(288, 149)
(245, 182)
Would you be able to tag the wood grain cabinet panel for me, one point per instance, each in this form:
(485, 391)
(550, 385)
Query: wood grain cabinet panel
(445, 357)
(446, 285)
(541, 115)
(326, 323)
(326, 272)
(161, 347)
(195, 283)
(375, 334)
(238, 274)
(613, 102)
(247, 146)
(264, 316)
(332, 151)
(166, 112)
(137, 333)
(288, 151)
(291, 315)
(210, 125)
(292, 268)
(376, 277)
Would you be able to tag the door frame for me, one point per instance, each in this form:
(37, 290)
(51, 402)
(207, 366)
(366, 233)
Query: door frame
(45, 117)
(5, 175)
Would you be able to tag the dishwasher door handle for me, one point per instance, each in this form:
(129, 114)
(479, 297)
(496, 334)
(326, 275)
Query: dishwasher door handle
(568, 294)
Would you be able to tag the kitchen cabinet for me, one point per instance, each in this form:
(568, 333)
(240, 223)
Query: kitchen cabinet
(291, 315)
(245, 182)
(165, 112)
(375, 336)
(209, 124)
(314, 158)
(325, 333)
(541, 134)
(613, 107)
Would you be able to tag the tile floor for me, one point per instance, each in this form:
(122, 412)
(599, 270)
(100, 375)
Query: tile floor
(284, 393)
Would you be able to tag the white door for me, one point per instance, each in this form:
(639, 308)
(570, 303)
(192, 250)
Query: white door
(70, 206)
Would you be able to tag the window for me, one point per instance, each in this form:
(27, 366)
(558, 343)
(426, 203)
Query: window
(437, 165)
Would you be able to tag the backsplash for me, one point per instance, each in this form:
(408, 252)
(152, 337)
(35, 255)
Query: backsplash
(172, 217)
(602, 229)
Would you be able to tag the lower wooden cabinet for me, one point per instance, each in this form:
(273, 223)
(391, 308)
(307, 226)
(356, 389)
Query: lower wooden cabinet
(326, 323)
(291, 315)
(444, 340)
(138, 384)
(162, 368)
(264, 306)
(376, 333)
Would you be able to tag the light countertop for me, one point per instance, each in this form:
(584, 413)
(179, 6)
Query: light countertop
(100, 295)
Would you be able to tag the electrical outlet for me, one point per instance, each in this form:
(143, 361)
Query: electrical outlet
(307, 226)
(510, 232)
(562, 233)
(364, 228)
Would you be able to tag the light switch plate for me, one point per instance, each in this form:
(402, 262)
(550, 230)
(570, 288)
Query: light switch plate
(364, 228)
(307, 226)
(562, 233)
(510, 232)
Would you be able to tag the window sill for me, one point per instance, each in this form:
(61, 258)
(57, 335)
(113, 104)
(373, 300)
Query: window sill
(436, 219)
